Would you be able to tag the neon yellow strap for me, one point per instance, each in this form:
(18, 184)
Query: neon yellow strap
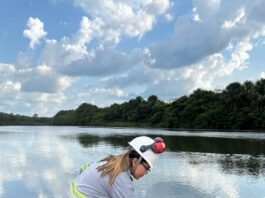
(75, 192)
(72, 190)
(84, 167)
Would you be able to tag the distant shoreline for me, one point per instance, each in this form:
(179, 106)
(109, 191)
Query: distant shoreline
(150, 128)
(237, 108)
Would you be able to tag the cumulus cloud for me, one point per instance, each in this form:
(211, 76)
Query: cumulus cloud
(45, 104)
(202, 74)
(180, 81)
(35, 32)
(130, 18)
(219, 24)
(73, 59)
(138, 76)
(42, 79)
(185, 48)
(110, 22)
(210, 41)
(106, 24)
(6, 70)
(105, 61)
(8, 84)
(37, 79)
(88, 30)
(71, 55)
(31, 90)
(67, 50)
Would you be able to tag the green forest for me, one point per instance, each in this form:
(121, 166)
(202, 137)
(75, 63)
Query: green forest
(237, 107)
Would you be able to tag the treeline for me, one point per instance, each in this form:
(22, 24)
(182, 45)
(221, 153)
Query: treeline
(238, 106)
(11, 119)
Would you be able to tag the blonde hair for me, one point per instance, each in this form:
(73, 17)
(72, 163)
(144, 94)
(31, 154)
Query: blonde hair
(115, 165)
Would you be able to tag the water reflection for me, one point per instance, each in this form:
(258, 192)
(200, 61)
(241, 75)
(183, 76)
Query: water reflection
(33, 165)
(179, 178)
(41, 161)
(87, 140)
(188, 144)
(240, 156)
(176, 189)
(245, 165)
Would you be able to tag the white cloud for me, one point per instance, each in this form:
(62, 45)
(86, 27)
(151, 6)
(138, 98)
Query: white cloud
(101, 96)
(195, 15)
(210, 41)
(42, 79)
(110, 22)
(202, 74)
(185, 48)
(131, 18)
(104, 92)
(6, 70)
(35, 32)
(45, 104)
(206, 9)
(46, 98)
(113, 92)
(220, 23)
(138, 76)
(43, 84)
(262, 75)
(88, 30)
(10, 86)
(231, 23)
(31, 90)
(104, 61)
(181, 81)
(157, 7)
(53, 53)
(72, 57)
(169, 17)
(43, 69)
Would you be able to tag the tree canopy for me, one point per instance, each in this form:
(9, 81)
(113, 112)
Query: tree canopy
(238, 106)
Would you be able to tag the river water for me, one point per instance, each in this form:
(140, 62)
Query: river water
(40, 162)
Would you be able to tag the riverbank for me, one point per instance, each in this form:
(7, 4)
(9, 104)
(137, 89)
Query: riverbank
(131, 126)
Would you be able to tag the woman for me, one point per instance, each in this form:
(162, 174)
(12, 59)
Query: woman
(112, 177)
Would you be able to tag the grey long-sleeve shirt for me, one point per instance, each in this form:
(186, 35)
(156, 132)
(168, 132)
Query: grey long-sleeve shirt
(92, 185)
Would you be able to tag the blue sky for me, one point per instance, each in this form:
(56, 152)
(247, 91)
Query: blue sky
(57, 54)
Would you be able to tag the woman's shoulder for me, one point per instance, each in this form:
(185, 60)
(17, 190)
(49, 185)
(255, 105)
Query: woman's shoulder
(124, 177)
(122, 186)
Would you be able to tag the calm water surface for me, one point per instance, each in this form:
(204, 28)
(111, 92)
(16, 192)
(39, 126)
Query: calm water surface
(40, 162)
